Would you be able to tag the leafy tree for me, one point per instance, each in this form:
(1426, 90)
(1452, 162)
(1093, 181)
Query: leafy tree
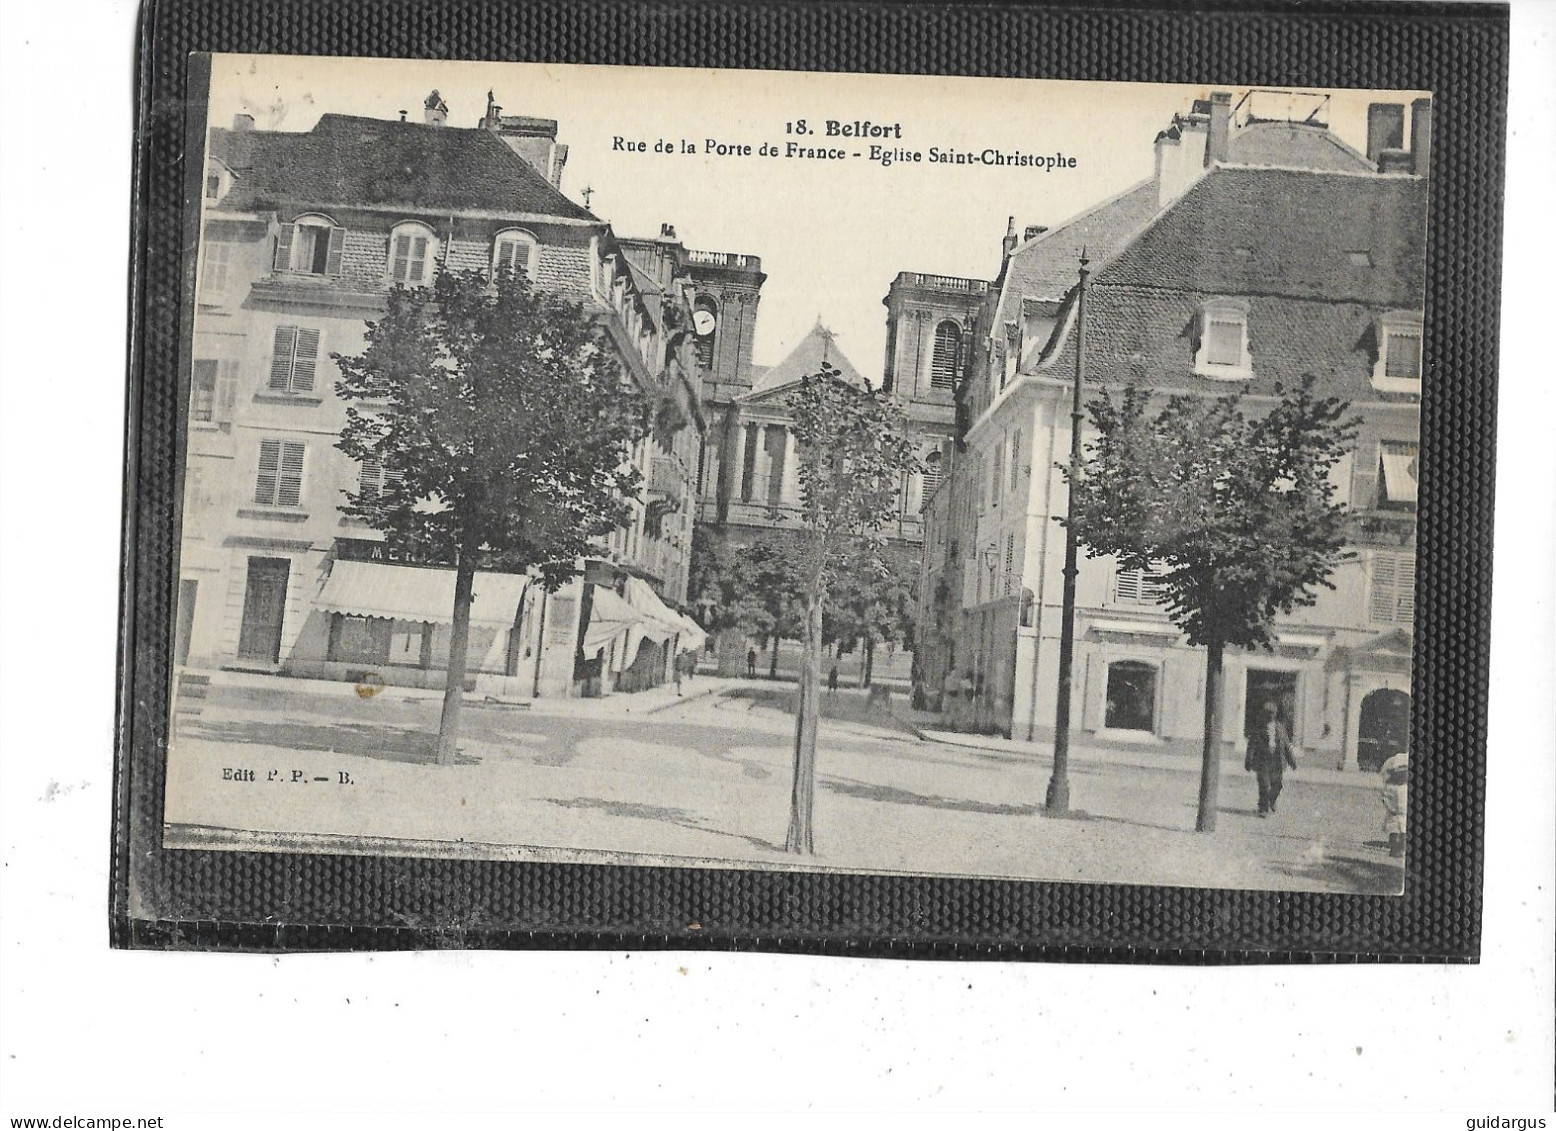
(1237, 513)
(873, 600)
(754, 587)
(504, 430)
(853, 451)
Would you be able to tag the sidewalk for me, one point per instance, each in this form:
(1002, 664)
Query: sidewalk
(616, 705)
(1145, 757)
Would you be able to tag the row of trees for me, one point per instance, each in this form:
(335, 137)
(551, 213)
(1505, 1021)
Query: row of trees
(755, 586)
(504, 430)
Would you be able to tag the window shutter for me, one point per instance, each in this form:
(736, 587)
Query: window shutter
(508, 256)
(289, 491)
(336, 251)
(269, 472)
(226, 389)
(307, 360)
(1402, 354)
(284, 248)
(202, 390)
(398, 260)
(1015, 459)
(1010, 562)
(369, 480)
(418, 266)
(282, 351)
(1364, 481)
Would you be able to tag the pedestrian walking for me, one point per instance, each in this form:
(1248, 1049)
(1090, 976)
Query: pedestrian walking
(690, 659)
(751, 662)
(1395, 775)
(680, 672)
(832, 682)
(1269, 753)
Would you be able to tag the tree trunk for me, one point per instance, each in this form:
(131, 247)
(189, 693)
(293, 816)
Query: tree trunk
(772, 667)
(458, 647)
(802, 803)
(869, 659)
(1210, 766)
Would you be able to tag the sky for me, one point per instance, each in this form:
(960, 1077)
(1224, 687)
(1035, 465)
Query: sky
(832, 234)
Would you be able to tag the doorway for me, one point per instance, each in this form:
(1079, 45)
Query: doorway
(1267, 686)
(264, 610)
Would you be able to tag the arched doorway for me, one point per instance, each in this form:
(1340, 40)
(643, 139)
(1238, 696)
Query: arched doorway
(1385, 728)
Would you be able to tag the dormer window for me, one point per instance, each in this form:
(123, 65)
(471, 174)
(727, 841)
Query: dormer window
(412, 254)
(310, 245)
(516, 251)
(1397, 368)
(1223, 341)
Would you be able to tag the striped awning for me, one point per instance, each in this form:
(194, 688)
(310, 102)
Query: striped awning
(414, 593)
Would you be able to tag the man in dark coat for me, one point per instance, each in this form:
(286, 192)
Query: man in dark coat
(1269, 753)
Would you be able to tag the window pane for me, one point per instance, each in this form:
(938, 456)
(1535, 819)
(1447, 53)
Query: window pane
(202, 391)
(1131, 703)
(1223, 342)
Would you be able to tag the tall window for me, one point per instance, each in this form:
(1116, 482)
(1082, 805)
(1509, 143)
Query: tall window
(1392, 599)
(947, 359)
(310, 245)
(213, 271)
(280, 479)
(514, 251)
(202, 390)
(1015, 458)
(412, 252)
(294, 357)
(932, 474)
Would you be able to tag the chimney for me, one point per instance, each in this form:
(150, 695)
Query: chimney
(493, 116)
(667, 233)
(1421, 137)
(1219, 140)
(1009, 242)
(1385, 129)
(435, 110)
(403, 114)
(242, 123)
(1032, 231)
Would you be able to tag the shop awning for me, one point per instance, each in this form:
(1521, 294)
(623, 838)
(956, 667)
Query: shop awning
(609, 617)
(693, 636)
(660, 622)
(412, 593)
(1399, 475)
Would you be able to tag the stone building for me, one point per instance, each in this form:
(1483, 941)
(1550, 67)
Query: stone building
(302, 236)
(1258, 253)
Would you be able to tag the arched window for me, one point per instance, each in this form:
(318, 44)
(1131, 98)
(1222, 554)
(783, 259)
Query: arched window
(310, 245)
(705, 324)
(947, 360)
(413, 252)
(515, 250)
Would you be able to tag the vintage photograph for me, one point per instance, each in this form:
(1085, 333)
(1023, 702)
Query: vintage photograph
(773, 470)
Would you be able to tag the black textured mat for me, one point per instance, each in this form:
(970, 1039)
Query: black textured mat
(247, 900)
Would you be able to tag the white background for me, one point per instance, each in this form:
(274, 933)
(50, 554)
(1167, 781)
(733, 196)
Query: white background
(86, 1031)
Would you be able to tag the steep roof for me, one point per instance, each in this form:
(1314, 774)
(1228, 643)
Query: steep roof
(805, 359)
(352, 160)
(1316, 257)
(1294, 145)
(1280, 231)
(1044, 267)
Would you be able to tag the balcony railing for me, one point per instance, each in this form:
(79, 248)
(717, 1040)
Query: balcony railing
(943, 282)
(725, 259)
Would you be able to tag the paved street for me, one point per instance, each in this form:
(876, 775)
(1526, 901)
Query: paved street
(705, 780)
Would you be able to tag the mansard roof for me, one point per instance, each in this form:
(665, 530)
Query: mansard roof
(349, 160)
(1316, 257)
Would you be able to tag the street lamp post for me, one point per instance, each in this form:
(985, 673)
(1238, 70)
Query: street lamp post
(1058, 801)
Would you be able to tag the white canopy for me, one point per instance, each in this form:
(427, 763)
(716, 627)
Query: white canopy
(417, 593)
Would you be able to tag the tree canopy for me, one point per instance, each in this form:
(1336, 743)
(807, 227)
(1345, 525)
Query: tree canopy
(1236, 513)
